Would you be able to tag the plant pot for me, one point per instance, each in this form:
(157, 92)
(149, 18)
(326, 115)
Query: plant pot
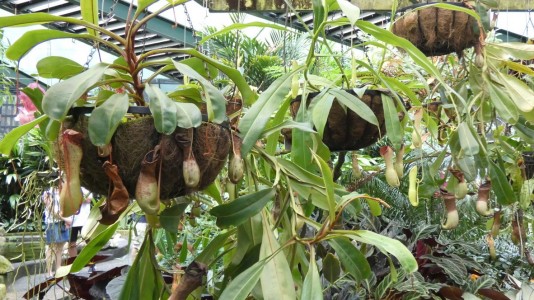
(344, 129)
(437, 31)
(133, 139)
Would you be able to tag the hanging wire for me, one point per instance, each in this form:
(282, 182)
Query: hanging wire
(110, 15)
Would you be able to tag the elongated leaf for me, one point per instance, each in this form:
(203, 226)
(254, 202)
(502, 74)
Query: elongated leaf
(276, 279)
(242, 208)
(350, 10)
(11, 138)
(248, 95)
(521, 94)
(61, 96)
(521, 51)
(355, 104)
(209, 253)
(500, 185)
(384, 244)
(311, 288)
(319, 113)
(215, 101)
(206, 70)
(144, 280)
(213, 190)
(253, 122)
(163, 110)
(302, 142)
(33, 38)
(328, 183)
(187, 115)
(170, 217)
(58, 67)
(331, 268)
(501, 101)
(353, 261)
(239, 26)
(142, 4)
(306, 127)
(89, 10)
(242, 285)
(105, 119)
(391, 117)
(467, 141)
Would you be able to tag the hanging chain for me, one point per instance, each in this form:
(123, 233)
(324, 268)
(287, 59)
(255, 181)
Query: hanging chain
(109, 16)
(195, 35)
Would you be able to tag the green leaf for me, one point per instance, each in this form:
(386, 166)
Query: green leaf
(105, 119)
(163, 110)
(246, 92)
(89, 10)
(518, 50)
(206, 70)
(215, 101)
(500, 185)
(88, 252)
(210, 252)
(311, 288)
(242, 208)
(170, 217)
(301, 142)
(306, 127)
(276, 279)
(144, 279)
(33, 38)
(213, 190)
(187, 115)
(468, 142)
(253, 122)
(319, 112)
(142, 4)
(61, 97)
(242, 285)
(520, 93)
(58, 67)
(355, 104)
(319, 14)
(384, 244)
(350, 10)
(374, 207)
(239, 26)
(352, 260)
(11, 138)
(391, 117)
(329, 186)
(331, 268)
(501, 101)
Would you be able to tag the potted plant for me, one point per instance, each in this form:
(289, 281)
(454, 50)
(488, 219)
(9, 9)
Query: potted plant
(118, 132)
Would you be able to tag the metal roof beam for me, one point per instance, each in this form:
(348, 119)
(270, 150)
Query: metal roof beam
(159, 25)
(373, 5)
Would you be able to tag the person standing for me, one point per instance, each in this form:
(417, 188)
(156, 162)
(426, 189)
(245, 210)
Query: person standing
(56, 231)
(78, 220)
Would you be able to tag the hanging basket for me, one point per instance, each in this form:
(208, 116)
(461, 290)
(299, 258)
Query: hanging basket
(344, 129)
(135, 138)
(437, 31)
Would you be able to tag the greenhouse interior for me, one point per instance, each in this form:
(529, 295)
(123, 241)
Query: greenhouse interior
(158, 149)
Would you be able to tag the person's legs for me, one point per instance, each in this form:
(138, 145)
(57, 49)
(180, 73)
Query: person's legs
(49, 260)
(72, 241)
(58, 254)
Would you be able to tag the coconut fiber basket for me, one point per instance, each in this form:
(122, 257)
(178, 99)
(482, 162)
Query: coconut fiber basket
(135, 138)
(437, 31)
(344, 129)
